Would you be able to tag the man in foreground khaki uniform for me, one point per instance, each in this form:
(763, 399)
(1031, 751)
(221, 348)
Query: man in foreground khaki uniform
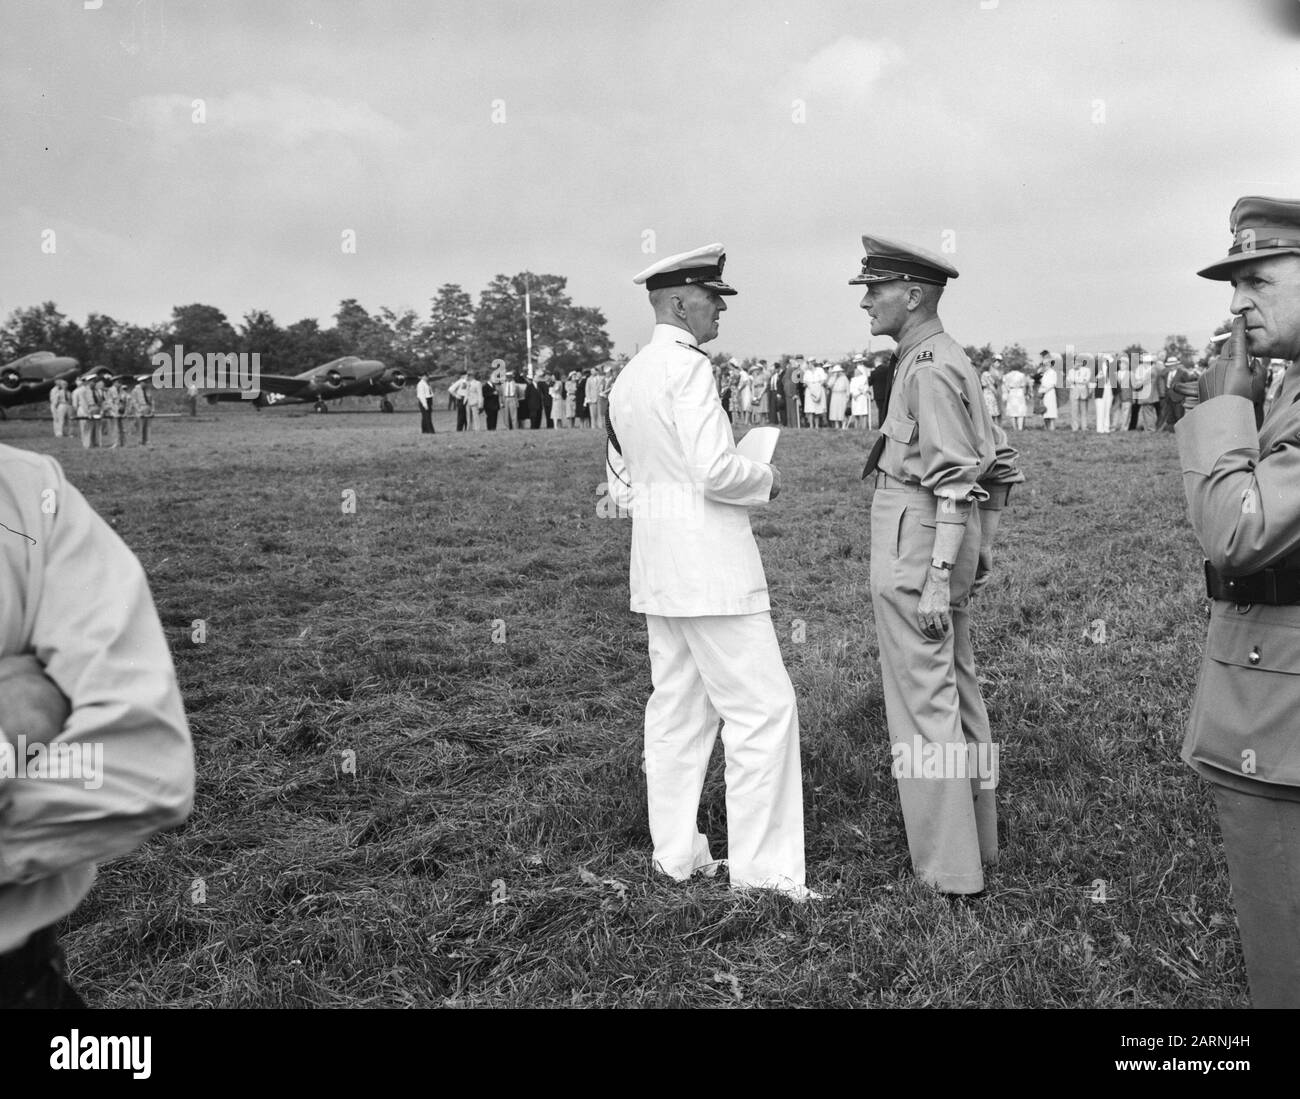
(95, 753)
(1243, 496)
(943, 473)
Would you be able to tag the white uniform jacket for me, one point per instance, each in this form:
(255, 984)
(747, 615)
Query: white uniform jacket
(693, 552)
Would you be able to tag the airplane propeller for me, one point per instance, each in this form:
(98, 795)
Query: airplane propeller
(11, 379)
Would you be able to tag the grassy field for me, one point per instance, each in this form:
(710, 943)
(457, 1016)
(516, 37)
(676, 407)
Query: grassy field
(418, 737)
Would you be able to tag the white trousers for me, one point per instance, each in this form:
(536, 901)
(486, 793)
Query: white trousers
(726, 666)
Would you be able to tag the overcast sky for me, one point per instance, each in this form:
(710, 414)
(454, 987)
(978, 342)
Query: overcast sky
(1076, 159)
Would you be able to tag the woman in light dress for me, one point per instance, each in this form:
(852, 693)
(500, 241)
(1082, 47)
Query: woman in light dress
(559, 408)
(989, 384)
(571, 398)
(1047, 387)
(814, 381)
(859, 398)
(1014, 383)
(745, 391)
(839, 399)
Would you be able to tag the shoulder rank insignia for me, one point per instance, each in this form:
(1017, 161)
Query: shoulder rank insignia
(690, 346)
(924, 357)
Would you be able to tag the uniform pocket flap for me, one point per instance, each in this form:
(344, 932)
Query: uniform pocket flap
(1249, 643)
(902, 429)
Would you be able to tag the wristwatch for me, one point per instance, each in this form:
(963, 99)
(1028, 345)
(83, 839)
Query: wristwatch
(943, 566)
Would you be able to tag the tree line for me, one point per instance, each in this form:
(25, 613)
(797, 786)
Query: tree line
(454, 335)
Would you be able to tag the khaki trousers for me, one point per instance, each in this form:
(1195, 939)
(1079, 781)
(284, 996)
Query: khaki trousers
(1261, 837)
(726, 666)
(931, 692)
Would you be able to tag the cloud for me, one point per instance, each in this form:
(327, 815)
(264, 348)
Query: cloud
(845, 72)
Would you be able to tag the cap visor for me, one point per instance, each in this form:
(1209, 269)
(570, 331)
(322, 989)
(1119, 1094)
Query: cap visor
(1222, 270)
(871, 278)
(718, 287)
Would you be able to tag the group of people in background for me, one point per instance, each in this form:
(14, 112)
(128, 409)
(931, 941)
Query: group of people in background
(1108, 393)
(799, 392)
(101, 409)
(482, 400)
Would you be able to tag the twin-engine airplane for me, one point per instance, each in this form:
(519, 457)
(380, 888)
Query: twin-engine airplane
(30, 379)
(346, 377)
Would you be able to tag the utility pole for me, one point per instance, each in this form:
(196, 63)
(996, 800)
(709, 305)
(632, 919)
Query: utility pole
(528, 326)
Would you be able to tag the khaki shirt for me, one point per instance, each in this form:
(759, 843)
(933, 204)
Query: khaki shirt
(1243, 500)
(939, 433)
(73, 596)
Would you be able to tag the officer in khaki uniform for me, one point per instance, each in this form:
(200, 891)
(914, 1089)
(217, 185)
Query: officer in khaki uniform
(697, 577)
(943, 473)
(1242, 479)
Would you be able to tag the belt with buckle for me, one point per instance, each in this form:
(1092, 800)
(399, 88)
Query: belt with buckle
(884, 480)
(1272, 587)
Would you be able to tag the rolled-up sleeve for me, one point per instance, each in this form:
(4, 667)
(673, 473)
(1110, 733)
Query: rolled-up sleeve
(1242, 505)
(90, 621)
(1003, 473)
(711, 458)
(951, 458)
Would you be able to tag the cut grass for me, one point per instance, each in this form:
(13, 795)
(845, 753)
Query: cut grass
(396, 809)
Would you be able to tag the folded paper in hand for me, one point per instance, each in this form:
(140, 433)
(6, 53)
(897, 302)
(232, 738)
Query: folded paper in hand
(759, 444)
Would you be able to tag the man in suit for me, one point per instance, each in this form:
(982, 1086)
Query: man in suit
(532, 404)
(697, 577)
(1242, 479)
(491, 403)
(776, 395)
(943, 472)
(793, 384)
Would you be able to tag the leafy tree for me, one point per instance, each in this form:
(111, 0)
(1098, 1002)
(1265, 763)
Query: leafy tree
(404, 336)
(1180, 346)
(309, 345)
(450, 327)
(359, 332)
(201, 328)
(1015, 358)
(575, 333)
(40, 328)
(979, 356)
(259, 333)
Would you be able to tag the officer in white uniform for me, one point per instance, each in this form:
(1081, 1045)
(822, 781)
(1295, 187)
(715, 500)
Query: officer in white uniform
(697, 577)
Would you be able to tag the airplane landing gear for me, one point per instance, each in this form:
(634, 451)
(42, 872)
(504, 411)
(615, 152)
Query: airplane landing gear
(321, 406)
(385, 405)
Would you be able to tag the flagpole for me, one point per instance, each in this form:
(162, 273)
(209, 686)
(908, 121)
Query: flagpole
(528, 326)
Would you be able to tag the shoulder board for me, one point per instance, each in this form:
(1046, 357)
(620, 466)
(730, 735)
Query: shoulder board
(688, 346)
(924, 357)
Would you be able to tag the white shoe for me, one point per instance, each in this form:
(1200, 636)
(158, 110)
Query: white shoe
(710, 869)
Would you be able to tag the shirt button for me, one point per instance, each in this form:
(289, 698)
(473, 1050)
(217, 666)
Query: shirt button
(1254, 655)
